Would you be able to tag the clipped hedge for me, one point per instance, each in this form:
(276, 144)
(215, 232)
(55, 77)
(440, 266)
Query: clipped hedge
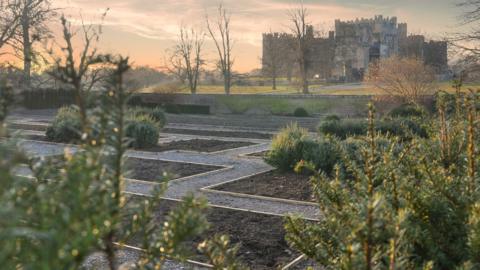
(401, 127)
(47, 98)
(300, 112)
(187, 109)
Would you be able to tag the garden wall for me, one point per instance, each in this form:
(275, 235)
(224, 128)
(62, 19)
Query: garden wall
(343, 105)
(284, 105)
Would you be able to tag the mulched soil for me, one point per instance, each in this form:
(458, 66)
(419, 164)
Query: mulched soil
(153, 170)
(261, 237)
(284, 185)
(197, 145)
(216, 133)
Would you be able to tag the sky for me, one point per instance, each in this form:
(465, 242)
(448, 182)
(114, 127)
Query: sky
(144, 29)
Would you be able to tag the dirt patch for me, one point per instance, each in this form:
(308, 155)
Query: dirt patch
(26, 126)
(34, 137)
(216, 133)
(197, 145)
(258, 154)
(285, 185)
(262, 237)
(153, 170)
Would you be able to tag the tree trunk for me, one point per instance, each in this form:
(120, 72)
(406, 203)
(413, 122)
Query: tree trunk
(227, 84)
(305, 85)
(303, 74)
(27, 50)
(274, 82)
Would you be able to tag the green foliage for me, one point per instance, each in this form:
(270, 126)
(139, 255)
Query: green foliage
(408, 110)
(47, 98)
(287, 147)
(447, 100)
(156, 113)
(400, 204)
(75, 205)
(66, 126)
(187, 108)
(332, 117)
(221, 255)
(143, 126)
(278, 105)
(402, 127)
(342, 128)
(322, 154)
(292, 146)
(6, 98)
(143, 131)
(300, 112)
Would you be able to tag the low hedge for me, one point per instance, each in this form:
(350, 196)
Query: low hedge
(300, 112)
(142, 131)
(187, 109)
(343, 128)
(401, 127)
(408, 110)
(47, 98)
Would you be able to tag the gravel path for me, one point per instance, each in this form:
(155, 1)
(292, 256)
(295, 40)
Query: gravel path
(235, 165)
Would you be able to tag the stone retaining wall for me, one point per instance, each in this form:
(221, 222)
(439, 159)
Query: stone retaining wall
(343, 105)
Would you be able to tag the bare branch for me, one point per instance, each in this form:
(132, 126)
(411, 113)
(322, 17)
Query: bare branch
(403, 77)
(220, 34)
(303, 33)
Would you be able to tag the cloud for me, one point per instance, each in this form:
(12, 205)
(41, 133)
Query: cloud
(153, 21)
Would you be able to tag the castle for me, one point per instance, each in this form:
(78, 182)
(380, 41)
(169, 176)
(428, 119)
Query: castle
(345, 54)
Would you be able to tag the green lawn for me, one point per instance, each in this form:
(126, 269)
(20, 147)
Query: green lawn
(218, 89)
(284, 89)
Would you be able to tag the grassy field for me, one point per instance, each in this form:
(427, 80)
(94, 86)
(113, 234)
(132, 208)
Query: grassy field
(286, 89)
(218, 89)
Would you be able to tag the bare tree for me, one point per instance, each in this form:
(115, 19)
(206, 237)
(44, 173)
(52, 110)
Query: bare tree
(407, 78)
(173, 64)
(78, 69)
(467, 44)
(34, 16)
(189, 48)
(300, 30)
(274, 52)
(9, 20)
(220, 33)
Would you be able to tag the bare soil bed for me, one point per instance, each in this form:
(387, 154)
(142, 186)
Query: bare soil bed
(198, 145)
(153, 170)
(27, 126)
(284, 185)
(258, 154)
(33, 137)
(216, 133)
(262, 237)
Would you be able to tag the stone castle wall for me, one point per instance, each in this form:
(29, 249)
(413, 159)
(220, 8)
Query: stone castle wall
(347, 52)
